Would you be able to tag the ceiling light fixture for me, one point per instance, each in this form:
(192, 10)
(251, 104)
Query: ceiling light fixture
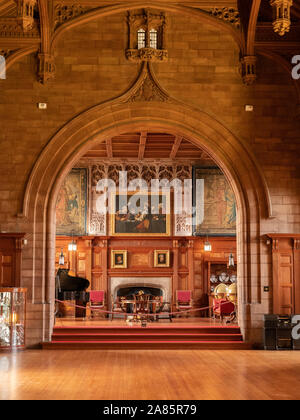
(282, 16)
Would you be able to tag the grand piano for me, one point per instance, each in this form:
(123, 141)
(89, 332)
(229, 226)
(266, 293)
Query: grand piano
(71, 288)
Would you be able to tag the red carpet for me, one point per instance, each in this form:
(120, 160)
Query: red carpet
(152, 337)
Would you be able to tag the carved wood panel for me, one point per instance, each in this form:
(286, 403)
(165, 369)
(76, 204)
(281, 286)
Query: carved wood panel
(286, 274)
(10, 259)
(92, 260)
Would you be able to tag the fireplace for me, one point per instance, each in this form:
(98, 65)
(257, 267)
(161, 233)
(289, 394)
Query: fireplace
(156, 286)
(129, 292)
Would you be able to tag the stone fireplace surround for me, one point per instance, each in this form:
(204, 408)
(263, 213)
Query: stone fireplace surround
(163, 283)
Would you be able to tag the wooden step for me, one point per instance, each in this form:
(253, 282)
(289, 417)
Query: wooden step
(147, 345)
(143, 337)
(148, 330)
(163, 336)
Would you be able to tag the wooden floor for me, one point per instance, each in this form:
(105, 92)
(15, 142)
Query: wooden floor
(148, 374)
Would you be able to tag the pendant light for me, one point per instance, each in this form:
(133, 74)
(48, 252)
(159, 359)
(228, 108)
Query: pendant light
(61, 258)
(207, 245)
(282, 15)
(231, 260)
(72, 245)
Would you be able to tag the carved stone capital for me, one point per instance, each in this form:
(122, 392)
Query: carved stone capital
(65, 12)
(12, 27)
(147, 54)
(46, 69)
(147, 89)
(227, 14)
(248, 69)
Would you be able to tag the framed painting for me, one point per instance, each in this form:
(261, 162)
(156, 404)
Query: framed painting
(118, 259)
(215, 203)
(140, 214)
(71, 205)
(161, 259)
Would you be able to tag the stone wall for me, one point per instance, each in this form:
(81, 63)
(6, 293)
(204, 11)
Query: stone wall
(202, 72)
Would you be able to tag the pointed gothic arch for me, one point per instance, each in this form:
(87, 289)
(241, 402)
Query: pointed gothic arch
(125, 114)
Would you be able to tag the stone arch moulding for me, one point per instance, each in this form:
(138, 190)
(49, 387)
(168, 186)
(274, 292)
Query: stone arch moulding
(146, 106)
(119, 8)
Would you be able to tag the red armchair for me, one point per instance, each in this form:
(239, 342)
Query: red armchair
(97, 300)
(223, 308)
(184, 301)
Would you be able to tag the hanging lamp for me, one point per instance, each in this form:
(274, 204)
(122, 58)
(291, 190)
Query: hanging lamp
(72, 245)
(282, 15)
(61, 258)
(231, 260)
(207, 245)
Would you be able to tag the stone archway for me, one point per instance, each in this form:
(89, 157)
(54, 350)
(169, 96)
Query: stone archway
(114, 118)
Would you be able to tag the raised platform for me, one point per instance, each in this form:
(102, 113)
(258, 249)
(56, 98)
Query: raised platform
(177, 335)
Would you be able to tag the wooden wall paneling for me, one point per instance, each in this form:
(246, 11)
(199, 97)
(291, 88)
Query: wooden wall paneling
(73, 262)
(96, 266)
(6, 270)
(140, 258)
(190, 264)
(286, 273)
(275, 270)
(82, 260)
(297, 274)
(104, 276)
(188, 261)
(175, 276)
(286, 283)
(183, 258)
(11, 259)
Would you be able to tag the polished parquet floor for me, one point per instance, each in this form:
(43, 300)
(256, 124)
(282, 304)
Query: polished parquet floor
(149, 374)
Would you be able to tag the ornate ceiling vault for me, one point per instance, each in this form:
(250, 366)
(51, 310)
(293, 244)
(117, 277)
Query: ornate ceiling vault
(265, 27)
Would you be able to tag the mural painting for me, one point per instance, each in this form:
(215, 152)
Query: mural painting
(71, 206)
(219, 204)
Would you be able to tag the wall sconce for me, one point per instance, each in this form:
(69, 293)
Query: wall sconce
(72, 245)
(231, 260)
(207, 245)
(61, 258)
(282, 15)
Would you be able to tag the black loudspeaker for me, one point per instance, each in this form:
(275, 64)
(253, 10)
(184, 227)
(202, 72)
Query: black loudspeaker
(270, 335)
(296, 344)
(284, 333)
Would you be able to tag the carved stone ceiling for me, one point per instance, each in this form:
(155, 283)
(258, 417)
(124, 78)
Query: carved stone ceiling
(8, 8)
(248, 21)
